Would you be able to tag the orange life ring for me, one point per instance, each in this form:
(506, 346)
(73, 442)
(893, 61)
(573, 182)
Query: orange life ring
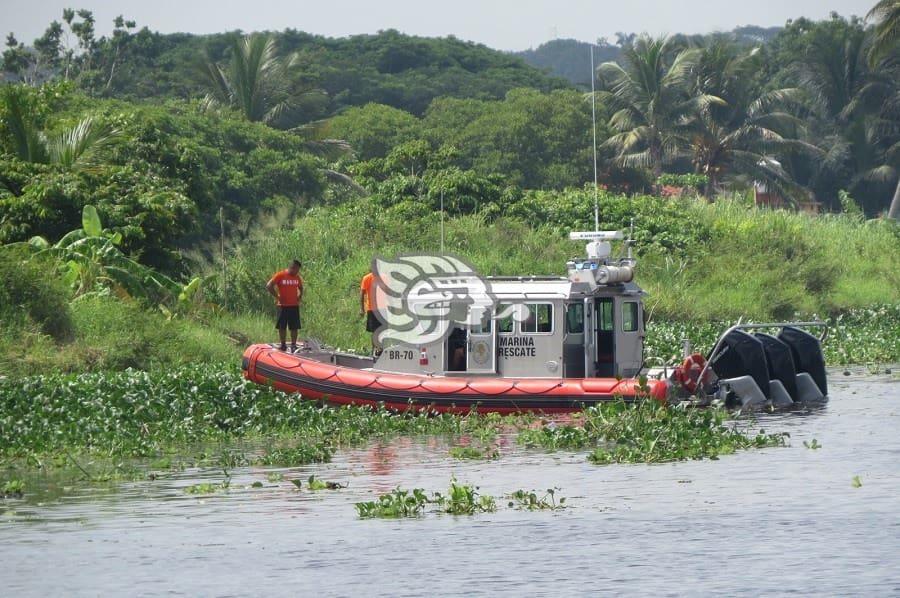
(688, 373)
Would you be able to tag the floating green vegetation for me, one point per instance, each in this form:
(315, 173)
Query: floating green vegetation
(464, 499)
(553, 437)
(648, 432)
(472, 452)
(314, 483)
(275, 476)
(208, 487)
(12, 489)
(856, 482)
(395, 504)
(531, 501)
(144, 414)
(461, 499)
(812, 444)
(109, 419)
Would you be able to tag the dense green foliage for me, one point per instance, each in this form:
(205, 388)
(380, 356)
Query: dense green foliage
(32, 298)
(163, 183)
(532, 139)
(648, 433)
(142, 414)
(106, 333)
(388, 67)
(810, 108)
(138, 414)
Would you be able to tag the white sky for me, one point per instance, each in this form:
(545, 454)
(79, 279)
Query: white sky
(501, 24)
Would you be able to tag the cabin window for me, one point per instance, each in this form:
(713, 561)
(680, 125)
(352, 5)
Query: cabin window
(483, 327)
(539, 320)
(630, 316)
(575, 318)
(605, 315)
(506, 323)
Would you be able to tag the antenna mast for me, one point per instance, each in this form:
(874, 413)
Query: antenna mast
(594, 131)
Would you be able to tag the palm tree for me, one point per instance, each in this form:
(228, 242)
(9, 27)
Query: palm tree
(651, 106)
(857, 110)
(744, 133)
(886, 15)
(254, 81)
(81, 147)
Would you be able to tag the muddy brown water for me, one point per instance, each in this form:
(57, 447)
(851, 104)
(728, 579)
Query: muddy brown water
(761, 522)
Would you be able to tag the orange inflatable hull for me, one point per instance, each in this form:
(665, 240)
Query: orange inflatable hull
(319, 380)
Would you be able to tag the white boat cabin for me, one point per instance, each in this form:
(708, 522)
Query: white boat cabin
(588, 324)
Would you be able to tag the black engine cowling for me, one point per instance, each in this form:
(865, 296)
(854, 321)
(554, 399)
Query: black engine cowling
(742, 354)
(807, 353)
(780, 360)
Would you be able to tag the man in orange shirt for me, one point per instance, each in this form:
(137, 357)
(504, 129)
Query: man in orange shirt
(367, 309)
(287, 288)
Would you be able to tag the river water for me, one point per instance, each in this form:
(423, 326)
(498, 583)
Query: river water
(762, 522)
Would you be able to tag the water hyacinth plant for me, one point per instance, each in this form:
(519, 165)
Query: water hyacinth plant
(209, 487)
(314, 483)
(48, 421)
(12, 489)
(395, 504)
(464, 499)
(144, 414)
(531, 501)
(472, 452)
(461, 499)
(648, 432)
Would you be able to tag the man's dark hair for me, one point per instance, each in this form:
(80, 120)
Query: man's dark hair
(297, 263)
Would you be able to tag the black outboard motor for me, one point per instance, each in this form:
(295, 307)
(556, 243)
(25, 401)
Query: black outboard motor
(742, 354)
(807, 353)
(781, 363)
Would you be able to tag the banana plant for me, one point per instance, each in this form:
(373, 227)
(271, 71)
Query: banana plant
(91, 262)
(190, 300)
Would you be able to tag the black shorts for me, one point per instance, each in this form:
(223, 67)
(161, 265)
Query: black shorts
(373, 322)
(288, 317)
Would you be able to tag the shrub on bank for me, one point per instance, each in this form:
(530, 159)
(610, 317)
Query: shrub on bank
(32, 297)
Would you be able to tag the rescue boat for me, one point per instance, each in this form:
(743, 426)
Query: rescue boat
(548, 344)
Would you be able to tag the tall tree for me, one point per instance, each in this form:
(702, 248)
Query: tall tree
(16, 58)
(79, 147)
(886, 15)
(749, 129)
(254, 81)
(856, 108)
(648, 96)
